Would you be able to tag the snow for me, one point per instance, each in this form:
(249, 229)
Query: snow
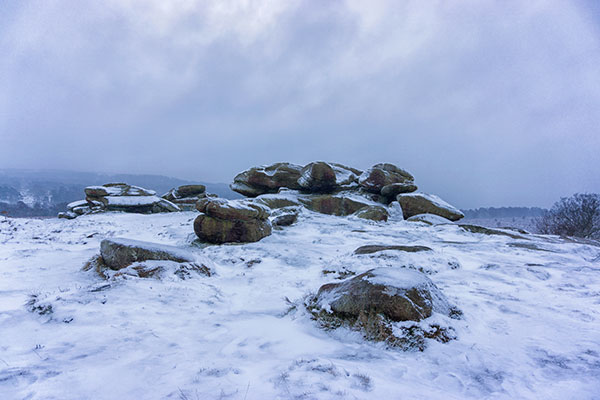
(132, 200)
(111, 190)
(430, 219)
(78, 203)
(529, 331)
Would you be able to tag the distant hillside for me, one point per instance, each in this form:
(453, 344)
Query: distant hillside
(29, 193)
(504, 212)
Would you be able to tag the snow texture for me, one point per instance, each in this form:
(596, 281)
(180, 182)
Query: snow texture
(529, 331)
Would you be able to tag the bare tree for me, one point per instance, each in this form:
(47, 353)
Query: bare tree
(578, 215)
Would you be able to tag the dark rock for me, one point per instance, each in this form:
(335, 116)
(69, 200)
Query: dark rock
(285, 219)
(267, 179)
(120, 253)
(429, 219)
(373, 213)
(489, 231)
(216, 230)
(381, 175)
(370, 249)
(421, 203)
(398, 294)
(276, 201)
(334, 204)
(394, 189)
(318, 177)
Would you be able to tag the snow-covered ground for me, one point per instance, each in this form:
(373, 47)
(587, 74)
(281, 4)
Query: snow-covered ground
(530, 330)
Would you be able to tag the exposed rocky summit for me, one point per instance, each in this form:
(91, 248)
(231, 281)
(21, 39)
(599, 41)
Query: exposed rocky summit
(336, 189)
(118, 197)
(421, 203)
(230, 221)
(186, 196)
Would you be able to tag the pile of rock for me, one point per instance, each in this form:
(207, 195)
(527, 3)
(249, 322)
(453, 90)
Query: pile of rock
(118, 197)
(230, 221)
(186, 196)
(337, 189)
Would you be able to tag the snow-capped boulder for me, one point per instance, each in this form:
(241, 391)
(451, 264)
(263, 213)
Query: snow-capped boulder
(279, 200)
(322, 177)
(429, 219)
(116, 189)
(186, 196)
(339, 205)
(380, 175)
(266, 179)
(373, 213)
(226, 221)
(422, 203)
(397, 293)
(119, 253)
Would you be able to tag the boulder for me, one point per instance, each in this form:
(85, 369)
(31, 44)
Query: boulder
(394, 189)
(370, 249)
(422, 203)
(266, 179)
(339, 205)
(322, 177)
(286, 219)
(429, 219)
(226, 221)
(138, 204)
(276, 201)
(373, 213)
(119, 253)
(186, 196)
(380, 175)
(398, 294)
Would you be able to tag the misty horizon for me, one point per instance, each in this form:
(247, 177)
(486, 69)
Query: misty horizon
(485, 104)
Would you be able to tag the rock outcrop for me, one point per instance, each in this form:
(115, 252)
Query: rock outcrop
(339, 205)
(186, 196)
(370, 249)
(373, 213)
(429, 219)
(231, 221)
(118, 197)
(421, 203)
(322, 177)
(381, 175)
(267, 179)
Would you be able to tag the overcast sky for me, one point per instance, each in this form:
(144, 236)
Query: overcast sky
(487, 103)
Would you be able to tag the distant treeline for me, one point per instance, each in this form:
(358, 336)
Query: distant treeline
(504, 212)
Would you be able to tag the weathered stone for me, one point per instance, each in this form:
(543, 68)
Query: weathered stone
(275, 201)
(334, 204)
(421, 203)
(394, 189)
(185, 192)
(322, 177)
(120, 253)
(267, 179)
(489, 231)
(373, 213)
(234, 210)
(381, 175)
(216, 230)
(429, 219)
(370, 249)
(396, 293)
(67, 215)
(286, 219)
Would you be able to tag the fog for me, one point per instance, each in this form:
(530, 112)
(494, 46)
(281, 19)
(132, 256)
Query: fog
(486, 103)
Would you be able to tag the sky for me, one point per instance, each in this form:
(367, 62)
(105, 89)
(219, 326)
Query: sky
(486, 103)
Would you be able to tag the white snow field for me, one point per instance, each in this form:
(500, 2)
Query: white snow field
(530, 329)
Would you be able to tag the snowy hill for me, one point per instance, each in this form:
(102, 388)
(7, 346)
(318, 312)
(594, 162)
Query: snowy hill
(529, 328)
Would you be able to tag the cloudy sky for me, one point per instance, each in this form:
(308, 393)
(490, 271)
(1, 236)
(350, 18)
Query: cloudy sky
(487, 103)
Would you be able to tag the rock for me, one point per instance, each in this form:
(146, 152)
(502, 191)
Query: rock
(186, 196)
(421, 203)
(430, 219)
(381, 175)
(275, 201)
(226, 221)
(322, 177)
(339, 205)
(398, 294)
(267, 179)
(138, 204)
(215, 230)
(286, 218)
(394, 189)
(489, 231)
(67, 215)
(370, 249)
(119, 253)
(373, 213)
